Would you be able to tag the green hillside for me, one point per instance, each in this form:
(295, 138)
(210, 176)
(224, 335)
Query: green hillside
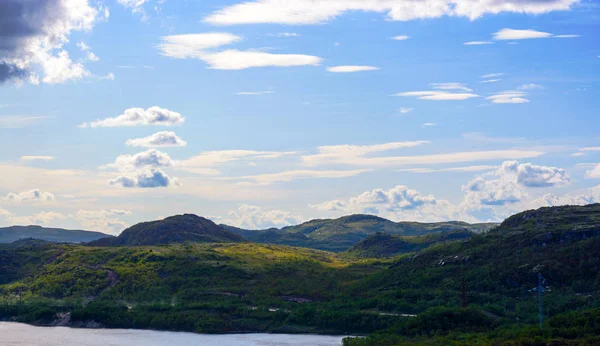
(338, 235)
(475, 291)
(58, 235)
(382, 245)
(174, 229)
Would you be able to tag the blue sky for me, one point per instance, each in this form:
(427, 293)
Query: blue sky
(269, 112)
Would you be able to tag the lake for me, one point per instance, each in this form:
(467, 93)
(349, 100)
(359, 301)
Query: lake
(23, 334)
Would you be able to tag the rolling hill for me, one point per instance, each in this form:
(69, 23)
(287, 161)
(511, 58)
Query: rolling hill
(57, 235)
(174, 229)
(341, 234)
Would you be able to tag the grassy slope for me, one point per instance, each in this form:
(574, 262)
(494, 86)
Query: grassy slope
(14, 233)
(341, 234)
(230, 287)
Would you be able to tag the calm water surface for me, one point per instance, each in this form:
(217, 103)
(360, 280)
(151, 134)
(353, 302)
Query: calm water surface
(23, 334)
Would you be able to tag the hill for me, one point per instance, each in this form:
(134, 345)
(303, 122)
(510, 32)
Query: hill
(57, 235)
(476, 291)
(383, 245)
(341, 234)
(174, 229)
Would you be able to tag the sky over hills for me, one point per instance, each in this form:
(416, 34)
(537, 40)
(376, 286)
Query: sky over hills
(268, 112)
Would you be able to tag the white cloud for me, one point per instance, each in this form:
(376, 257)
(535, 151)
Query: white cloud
(593, 173)
(267, 179)
(504, 191)
(437, 95)
(401, 38)
(357, 155)
(566, 36)
(162, 139)
(31, 196)
(397, 203)
(451, 169)
(254, 93)
(147, 178)
(213, 158)
(139, 117)
(530, 175)
(508, 97)
(492, 75)
(477, 43)
(83, 46)
(405, 110)
(37, 158)
(103, 220)
(194, 45)
(530, 86)
(429, 124)
(590, 149)
(253, 217)
(349, 69)
(35, 35)
(20, 121)
(149, 158)
(240, 60)
(285, 34)
(491, 80)
(201, 46)
(512, 34)
(450, 86)
(314, 12)
(41, 218)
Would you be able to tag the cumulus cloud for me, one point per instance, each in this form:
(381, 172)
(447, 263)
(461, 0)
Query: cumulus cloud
(41, 218)
(103, 220)
(506, 190)
(149, 158)
(149, 178)
(508, 97)
(34, 34)
(253, 217)
(139, 117)
(202, 47)
(593, 173)
(350, 69)
(530, 175)
(397, 203)
(31, 196)
(315, 12)
(158, 140)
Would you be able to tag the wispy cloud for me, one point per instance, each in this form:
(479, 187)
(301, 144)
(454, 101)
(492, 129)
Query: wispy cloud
(527, 34)
(508, 97)
(202, 47)
(267, 179)
(21, 121)
(477, 43)
(400, 38)
(437, 95)
(37, 158)
(350, 69)
(254, 93)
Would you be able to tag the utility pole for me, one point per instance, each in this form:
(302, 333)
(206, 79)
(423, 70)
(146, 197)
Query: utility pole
(540, 289)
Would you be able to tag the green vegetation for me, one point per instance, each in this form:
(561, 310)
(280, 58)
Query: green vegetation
(174, 229)
(341, 234)
(58, 235)
(471, 291)
(382, 245)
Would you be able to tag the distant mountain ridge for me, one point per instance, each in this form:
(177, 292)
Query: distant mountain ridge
(174, 229)
(57, 235)
(343, 233)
